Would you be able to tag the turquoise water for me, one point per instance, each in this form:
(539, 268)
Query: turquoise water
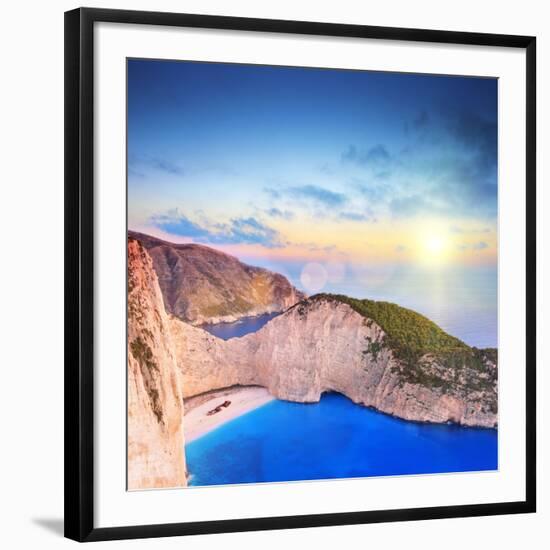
(283, 441)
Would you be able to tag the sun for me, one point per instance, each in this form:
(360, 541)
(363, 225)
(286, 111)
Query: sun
(433, 246)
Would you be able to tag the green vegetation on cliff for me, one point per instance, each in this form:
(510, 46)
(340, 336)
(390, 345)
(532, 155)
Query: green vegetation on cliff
(426, 353)
(408, 333)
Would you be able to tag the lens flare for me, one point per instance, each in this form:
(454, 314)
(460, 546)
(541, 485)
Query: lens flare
(313, 277)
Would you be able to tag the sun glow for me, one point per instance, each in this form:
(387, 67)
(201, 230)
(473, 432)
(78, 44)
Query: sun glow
(434, 246)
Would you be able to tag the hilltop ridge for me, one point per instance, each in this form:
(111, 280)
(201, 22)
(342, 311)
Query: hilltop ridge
(200, 284)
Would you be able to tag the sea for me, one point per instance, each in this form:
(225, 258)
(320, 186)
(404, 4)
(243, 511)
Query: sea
(335, 438)
(243, 326)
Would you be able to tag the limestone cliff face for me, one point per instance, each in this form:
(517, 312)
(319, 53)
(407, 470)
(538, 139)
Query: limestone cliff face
(155, 410)
(203, 285)
(321, 345)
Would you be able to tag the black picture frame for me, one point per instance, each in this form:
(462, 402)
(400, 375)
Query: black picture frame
(79, 270)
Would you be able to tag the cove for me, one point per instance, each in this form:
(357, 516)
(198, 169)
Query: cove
(243, 326)
(335, 438)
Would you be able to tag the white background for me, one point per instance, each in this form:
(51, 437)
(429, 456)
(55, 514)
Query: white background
(32, 288)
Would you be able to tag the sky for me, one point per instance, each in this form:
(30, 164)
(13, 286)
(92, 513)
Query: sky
(338, 179)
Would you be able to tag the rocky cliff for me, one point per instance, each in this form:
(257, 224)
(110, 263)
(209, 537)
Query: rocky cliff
(155, 406)
(326, 344)
(202, 285)
(378, 354)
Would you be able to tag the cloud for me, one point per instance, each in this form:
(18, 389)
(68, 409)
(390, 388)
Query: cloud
(454, 173)
(374, 190)
(383, 175)
(313, 247)
(277, 213)
(237, 231)
(354, 216)
(317, 194)
(273, 193)
(374, 156)
(465, 165)
(462, 184)
(135, 173)
(481, 245)
(250, 231)
(326, 169)
(418, 124)
(421, 120)
(167, 166)
(178, 224)
(139, 165)
(409, 206)
(446, 167)
(462, 230)
(478, 135)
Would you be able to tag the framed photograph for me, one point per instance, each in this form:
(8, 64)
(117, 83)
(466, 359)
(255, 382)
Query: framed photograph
(300, 274)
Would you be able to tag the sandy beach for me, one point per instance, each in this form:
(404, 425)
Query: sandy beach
(242, 399)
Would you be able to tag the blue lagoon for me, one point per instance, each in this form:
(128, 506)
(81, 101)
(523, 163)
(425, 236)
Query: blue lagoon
(335, 438)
